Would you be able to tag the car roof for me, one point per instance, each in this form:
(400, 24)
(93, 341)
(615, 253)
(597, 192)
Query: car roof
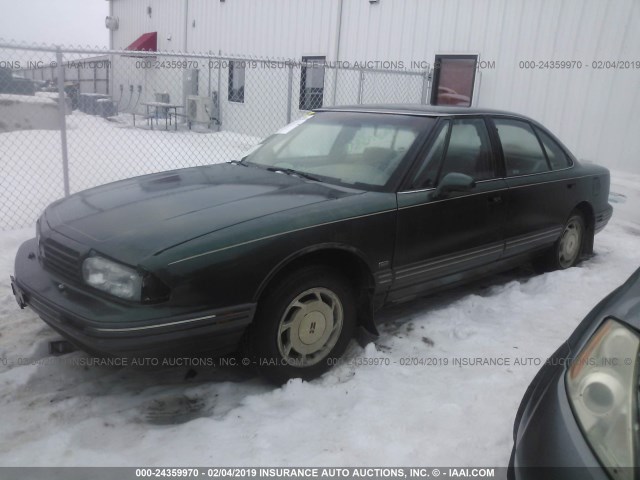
(421, 110)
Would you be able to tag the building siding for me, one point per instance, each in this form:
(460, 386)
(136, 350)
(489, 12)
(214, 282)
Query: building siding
(592, 110)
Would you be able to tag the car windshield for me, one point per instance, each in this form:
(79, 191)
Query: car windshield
(357, 149)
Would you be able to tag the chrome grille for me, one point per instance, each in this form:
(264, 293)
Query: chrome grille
(61, 259)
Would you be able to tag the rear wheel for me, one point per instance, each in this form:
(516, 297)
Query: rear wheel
(303, 324)
(570, 244)
(567, 250)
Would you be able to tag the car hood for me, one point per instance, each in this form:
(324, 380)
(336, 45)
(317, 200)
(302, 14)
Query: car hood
(132, 219)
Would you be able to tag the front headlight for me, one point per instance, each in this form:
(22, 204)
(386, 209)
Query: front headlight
(602, 385)
(112, 277)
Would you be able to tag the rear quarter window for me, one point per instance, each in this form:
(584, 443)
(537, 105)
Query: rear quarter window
(557, 158)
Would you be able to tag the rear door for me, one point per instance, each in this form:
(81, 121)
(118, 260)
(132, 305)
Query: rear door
(439, 239)
(540, 198)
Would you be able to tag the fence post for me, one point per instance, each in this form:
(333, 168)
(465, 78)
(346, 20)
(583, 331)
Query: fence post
(289, 93)
(425, 87)
(62, 108)
(335, 84)
(219, 91)
(360, 86)
(209, 77)
(95, 79)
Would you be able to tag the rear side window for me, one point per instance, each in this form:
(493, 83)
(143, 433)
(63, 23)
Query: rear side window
(523, 154)
(469, 150)
(557, 158)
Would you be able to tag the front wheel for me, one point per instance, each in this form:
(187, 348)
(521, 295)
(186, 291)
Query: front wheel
(303, 324)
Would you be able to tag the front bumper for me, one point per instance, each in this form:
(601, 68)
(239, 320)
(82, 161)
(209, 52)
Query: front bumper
(548, 442)
(105, 327)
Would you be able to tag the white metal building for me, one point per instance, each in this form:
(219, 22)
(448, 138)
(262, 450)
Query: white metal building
(574, 65)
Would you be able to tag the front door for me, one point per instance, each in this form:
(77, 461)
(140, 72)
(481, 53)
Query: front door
(440, 239)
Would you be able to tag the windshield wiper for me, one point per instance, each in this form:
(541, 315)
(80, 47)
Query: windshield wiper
(295, 173)
(238, 162)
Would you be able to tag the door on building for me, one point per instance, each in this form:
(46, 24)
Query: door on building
(453, 80)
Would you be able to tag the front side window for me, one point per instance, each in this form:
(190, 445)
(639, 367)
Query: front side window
(355, 149)
(522, 152)
(236, 81)
(469, 150)
(312, 83)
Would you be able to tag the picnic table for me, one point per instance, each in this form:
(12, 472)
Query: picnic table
(171, 110)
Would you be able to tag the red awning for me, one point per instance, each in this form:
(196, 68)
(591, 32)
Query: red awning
(147, 42)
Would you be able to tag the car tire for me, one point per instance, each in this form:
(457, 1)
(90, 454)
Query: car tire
(303, 324)
(567, 250)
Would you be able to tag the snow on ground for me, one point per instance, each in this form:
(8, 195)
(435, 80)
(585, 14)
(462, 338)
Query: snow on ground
(99, 151)
(53, 412)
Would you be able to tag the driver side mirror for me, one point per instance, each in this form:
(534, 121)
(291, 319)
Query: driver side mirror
(453, 182)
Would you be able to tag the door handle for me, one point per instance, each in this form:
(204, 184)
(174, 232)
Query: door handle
(495, 199)
(571, 185)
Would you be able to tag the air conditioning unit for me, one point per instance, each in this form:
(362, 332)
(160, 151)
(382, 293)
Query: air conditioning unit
(111, 23)
(199, 109)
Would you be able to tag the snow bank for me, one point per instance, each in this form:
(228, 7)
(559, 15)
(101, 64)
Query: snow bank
(54, 96)
(25, 112)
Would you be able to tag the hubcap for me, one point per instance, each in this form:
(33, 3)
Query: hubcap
(310, 327)
(570, 243)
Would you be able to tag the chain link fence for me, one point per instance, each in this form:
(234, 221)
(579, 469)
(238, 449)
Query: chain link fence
(71, 118)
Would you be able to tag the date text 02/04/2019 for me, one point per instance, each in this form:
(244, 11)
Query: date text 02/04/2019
(579, 65)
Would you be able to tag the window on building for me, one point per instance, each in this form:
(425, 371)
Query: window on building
(522, 151)
(312, 83)
(453, 80)
(236, 81)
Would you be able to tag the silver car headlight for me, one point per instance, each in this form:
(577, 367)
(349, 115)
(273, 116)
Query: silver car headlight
(112, 277)
(602, 386)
